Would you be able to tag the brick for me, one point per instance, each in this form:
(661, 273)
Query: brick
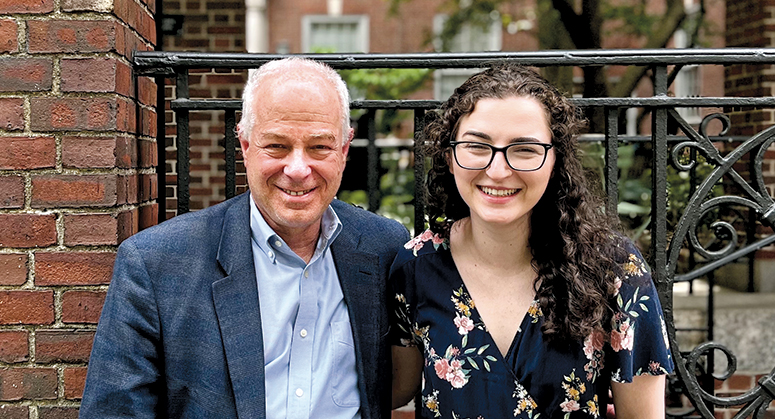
(126, 152)
(149, 215)
(11, 191)
(127, 190)
(21, 153)
(96, 75)
(146, 91)
(8, 38)
(148, 122)
(28, 383)
(148, 187)
(11, 110)
(74, 379)
(26, 307)
(14, 346)
(82, 306)
(71, 36)
(57, 412)
(73, 191)
(136, 17)
(73, 268)
(91, 229)
(25, 74)
(147, 157)
(103, 6)
(76, 114)
(61, 345)
(128, 223)
(13, 268)
(89, 152)
(14, 412)
(26, 6)
(27, 230)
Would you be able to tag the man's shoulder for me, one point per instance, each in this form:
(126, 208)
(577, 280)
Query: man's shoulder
(191, 226)
(370, 224)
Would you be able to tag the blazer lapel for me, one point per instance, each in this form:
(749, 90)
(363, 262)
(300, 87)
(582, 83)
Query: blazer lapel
(361, 294)
(239, 317)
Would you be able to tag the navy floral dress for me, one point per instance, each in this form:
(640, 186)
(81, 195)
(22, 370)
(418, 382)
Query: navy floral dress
(465, 375)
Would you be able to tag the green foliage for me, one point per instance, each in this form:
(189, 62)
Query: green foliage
(385, 83)
(633, 18)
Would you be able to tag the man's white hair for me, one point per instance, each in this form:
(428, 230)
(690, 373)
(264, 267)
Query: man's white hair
(284, 70)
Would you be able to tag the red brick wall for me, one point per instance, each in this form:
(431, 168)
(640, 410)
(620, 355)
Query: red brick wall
(749, 24)
(77, 176)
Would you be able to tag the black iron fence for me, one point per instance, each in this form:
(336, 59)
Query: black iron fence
(726, 215)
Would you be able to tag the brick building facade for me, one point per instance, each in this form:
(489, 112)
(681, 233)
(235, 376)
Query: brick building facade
(77, 159)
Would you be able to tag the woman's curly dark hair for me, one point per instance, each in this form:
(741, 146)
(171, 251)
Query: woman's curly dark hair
(576, 254)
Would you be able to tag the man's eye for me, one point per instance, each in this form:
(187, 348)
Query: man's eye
(275, 146)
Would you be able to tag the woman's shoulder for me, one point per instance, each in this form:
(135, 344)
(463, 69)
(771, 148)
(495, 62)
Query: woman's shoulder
(633, 268)
(426, 243)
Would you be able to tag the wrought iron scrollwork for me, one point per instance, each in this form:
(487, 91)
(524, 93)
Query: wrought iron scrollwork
(700, 209)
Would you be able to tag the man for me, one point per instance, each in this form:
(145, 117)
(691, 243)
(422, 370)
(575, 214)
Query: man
(270, 304)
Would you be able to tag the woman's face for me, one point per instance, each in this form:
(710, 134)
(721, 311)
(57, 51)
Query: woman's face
(499, 194)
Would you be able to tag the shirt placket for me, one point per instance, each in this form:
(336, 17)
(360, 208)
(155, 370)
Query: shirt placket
(302, 346)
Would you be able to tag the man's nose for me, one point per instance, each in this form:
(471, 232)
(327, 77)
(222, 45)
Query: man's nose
(297, 165)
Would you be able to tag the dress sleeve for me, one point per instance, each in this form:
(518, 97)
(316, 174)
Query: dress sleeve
(638, 340)
(402, 300)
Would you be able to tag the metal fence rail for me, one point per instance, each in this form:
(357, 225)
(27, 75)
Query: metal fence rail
(704, 211)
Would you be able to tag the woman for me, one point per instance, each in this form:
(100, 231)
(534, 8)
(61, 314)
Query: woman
(521, 300)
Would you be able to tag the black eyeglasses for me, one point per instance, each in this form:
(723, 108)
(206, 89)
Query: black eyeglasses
(522, 157)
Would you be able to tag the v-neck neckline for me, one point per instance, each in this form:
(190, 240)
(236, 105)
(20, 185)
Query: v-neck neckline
(490, 340)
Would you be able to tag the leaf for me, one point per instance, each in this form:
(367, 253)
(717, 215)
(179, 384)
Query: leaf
(635, 296)
(469, 350)
(627, 307)
(465, 341)
(634, 314)
(491, 358)
(448, 352)
(643, 307)
(486, 365)
(619, 300)
(472, 362)
(482, 349)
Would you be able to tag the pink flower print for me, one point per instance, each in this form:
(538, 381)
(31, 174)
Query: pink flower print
(442, 368)
(454, 351)
(570, 405)
(455, 364)
(622, 340)
(464, 324)
(593, 342)
(426, 235)
(457, 378)
(617, 285)
(437, 239)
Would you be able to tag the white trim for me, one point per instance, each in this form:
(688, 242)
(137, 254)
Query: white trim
(362, 22)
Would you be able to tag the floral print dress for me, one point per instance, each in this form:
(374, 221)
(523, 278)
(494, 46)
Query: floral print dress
(466, 376)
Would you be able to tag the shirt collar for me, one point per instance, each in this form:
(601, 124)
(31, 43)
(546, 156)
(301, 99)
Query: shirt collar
(270, 242)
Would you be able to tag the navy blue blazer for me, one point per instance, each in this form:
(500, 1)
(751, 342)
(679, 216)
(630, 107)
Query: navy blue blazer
(180, 332)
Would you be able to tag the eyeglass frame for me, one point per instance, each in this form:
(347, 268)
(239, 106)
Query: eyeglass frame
(496, 150)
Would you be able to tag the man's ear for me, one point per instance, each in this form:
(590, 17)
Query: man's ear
(244, 142)
(346, 145)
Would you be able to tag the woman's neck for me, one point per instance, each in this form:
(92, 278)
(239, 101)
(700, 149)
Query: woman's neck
(499, 247)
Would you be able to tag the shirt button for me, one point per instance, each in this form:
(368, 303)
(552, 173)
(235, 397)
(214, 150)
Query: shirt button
(299, 392)
(278, 243)
(270, 254)
(306, 274)
(303, 333)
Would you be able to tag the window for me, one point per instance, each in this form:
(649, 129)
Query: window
(470, 38)
(348, 33)
(688, 82)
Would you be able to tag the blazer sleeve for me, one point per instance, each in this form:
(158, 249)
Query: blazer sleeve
(123, 378)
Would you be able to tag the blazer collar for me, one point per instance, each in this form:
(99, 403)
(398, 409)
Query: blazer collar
(239, 317)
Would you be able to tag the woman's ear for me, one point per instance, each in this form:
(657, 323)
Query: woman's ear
(450, 160)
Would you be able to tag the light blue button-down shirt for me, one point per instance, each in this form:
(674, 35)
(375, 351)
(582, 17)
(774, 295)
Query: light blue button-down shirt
(309, 354)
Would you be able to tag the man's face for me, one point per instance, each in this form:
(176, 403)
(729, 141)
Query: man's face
(295, 155)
